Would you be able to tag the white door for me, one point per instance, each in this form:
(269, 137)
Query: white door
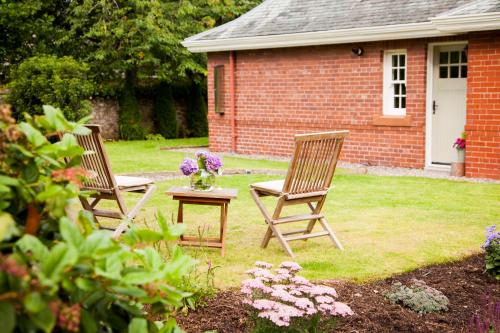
(449, 101)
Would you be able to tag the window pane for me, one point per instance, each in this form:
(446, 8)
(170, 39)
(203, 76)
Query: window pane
(443, 58)
(403, 102)
(396, 89)
(402, 74)
(443, 72)
(453, 72)
(464, 57)
(402, 60)
(394, 74)
(463, 71)
(394, 61)
(396, 102)
(454, 57)
(403, 92)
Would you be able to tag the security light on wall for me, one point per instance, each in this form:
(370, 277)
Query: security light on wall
(358, 51)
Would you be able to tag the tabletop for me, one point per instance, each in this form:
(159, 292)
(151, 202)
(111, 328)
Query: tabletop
(217, 193)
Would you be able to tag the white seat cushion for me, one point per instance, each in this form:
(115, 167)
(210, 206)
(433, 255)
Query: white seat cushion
(126, 181)
(273, 186)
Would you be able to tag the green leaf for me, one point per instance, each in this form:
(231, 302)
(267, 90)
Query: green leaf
(8, 228)
(7, 317)
(86, 284)
(45, 320)
(34, 303)
(29, 243)
(70, 232)
(30, 172)
(88, 323)
(59, 257)
(138, 325)
(9, 181)
(32, 134)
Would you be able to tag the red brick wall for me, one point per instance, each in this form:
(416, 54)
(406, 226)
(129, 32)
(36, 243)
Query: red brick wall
(282, 92)
(483, 106)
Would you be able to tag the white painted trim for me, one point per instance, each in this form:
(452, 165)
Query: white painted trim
(467, 23)
(388, 88)
(366, 34)
(438, 26)
(429, 97)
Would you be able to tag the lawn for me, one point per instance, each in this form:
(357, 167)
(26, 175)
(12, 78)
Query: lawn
(386, 224)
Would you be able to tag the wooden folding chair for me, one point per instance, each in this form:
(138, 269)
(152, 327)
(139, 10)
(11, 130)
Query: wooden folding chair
(106, 186)
(307, 182)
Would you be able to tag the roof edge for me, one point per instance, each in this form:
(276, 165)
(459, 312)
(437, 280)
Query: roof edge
(437, 26)
(365, 34)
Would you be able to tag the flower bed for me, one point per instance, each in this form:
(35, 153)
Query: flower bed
(463, 282)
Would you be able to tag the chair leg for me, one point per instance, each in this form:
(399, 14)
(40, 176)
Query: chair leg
(331, 234)
(271, 228)
(149, 191)
(88, 206)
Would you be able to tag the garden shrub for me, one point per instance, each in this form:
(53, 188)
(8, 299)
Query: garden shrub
(197, 113)
(418, 297)
(285, 302)
(48, 80)
(129, 116)
(58, 273)
(488, 319)
(492, 248)
(164, 113)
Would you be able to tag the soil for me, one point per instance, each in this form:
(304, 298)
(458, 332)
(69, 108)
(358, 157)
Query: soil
(463, 282)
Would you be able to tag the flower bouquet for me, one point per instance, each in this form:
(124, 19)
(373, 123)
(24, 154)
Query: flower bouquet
(202, 170)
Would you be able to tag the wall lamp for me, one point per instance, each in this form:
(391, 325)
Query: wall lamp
(358, 51)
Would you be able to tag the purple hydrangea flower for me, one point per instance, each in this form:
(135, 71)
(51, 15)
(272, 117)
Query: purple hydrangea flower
(189, 166)
(491, 236)
(201, 154)
(212, 162)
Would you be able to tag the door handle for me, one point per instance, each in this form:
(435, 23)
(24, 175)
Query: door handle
(434, 107)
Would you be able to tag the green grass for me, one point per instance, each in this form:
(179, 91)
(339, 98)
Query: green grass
(387, 225)
(146, 156)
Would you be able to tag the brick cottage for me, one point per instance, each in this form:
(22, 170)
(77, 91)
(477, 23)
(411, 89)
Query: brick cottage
(406, 78)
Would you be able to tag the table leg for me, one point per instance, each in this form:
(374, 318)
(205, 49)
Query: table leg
(223, 225)
(180, 217)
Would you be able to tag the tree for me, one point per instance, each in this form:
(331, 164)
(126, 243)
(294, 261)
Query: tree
(29, 28)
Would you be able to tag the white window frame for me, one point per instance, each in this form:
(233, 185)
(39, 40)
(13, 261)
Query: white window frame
(388, 94)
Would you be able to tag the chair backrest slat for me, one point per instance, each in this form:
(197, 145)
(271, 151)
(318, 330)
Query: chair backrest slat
(96, 162)
(314, 161)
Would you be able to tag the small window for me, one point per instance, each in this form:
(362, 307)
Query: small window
(395, 63)
(452, 64)
(219, 89)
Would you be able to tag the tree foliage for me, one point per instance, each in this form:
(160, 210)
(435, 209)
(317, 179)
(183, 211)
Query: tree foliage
(164, 113)
(48, 80)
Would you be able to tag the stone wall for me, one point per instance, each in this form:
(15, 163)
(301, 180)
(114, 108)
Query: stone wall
(105, 114)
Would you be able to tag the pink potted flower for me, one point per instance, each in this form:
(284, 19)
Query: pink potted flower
(458, 167)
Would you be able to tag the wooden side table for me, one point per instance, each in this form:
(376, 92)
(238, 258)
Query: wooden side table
(217, 197)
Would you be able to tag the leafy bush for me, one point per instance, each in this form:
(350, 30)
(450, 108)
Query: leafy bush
(164, 112)
(492, 248)
(418, 297)
(72, 277)
(197, 113)
(48, 80)
(129, 116)
(286, 302)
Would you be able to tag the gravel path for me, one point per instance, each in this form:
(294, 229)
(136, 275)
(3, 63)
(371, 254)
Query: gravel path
(351, 167)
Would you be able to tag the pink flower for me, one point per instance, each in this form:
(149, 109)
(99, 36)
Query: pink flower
(342, 309)
(263, 264)
(300, 280)
(324, 299)
(290, 265)
(283, 295)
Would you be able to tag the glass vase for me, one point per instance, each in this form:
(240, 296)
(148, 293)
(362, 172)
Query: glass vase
(202, 181)
(460, 155)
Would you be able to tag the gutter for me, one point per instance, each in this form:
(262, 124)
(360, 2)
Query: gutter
(232, 93)
(436, 27)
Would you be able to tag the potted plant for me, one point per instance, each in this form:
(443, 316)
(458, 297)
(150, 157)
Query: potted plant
(202, 171)
(458, 167)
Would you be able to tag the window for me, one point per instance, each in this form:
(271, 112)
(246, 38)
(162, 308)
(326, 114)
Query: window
(452, 64)
(395, 83)
(219, 89)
